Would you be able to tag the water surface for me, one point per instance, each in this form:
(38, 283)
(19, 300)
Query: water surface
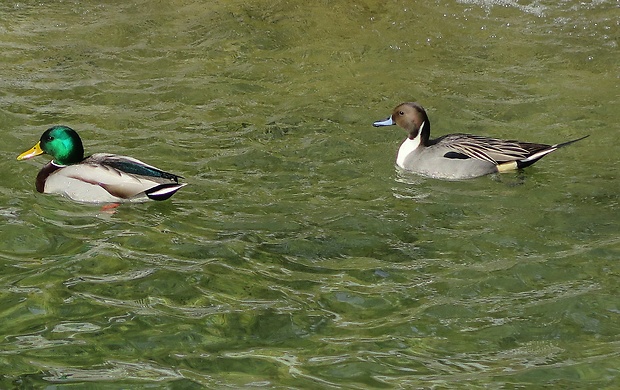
(298, 256)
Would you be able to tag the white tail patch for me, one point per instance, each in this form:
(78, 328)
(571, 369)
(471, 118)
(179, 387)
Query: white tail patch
(540, 154)
(163, 191)
(167, 190)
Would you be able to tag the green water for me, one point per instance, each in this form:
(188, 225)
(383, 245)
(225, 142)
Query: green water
(298, 256)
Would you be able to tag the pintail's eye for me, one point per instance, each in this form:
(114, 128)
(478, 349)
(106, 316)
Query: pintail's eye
(401, 113)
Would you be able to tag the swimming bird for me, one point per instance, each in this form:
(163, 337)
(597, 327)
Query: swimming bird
(100, 178)
(458, 156)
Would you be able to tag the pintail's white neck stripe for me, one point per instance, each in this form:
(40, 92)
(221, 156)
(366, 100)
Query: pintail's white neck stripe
(421, 128)
(407, 147)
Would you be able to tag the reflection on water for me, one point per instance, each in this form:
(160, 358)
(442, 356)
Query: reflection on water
(298, 256)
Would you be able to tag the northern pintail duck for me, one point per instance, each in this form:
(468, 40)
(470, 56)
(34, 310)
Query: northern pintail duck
(100, 178)
(458, 156)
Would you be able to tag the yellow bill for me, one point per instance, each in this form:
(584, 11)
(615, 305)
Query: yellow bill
(34, 151)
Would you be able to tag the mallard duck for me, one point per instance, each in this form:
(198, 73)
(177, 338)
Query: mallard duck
(458, 156)
(100, 178)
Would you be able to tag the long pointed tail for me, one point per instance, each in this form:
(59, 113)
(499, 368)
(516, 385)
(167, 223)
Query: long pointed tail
(557, 146)
(526, 162)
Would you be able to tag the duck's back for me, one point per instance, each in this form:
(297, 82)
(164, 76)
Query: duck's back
(104, 178)
(440, 162)
(94, 183)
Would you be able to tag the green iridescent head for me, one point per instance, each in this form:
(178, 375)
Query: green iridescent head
(60, 142)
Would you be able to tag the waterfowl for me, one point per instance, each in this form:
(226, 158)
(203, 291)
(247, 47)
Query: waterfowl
(100, 178)
(458, 156)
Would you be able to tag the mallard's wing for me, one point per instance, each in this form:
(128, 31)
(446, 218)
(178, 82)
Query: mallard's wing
(132, 166)
(112, 178)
